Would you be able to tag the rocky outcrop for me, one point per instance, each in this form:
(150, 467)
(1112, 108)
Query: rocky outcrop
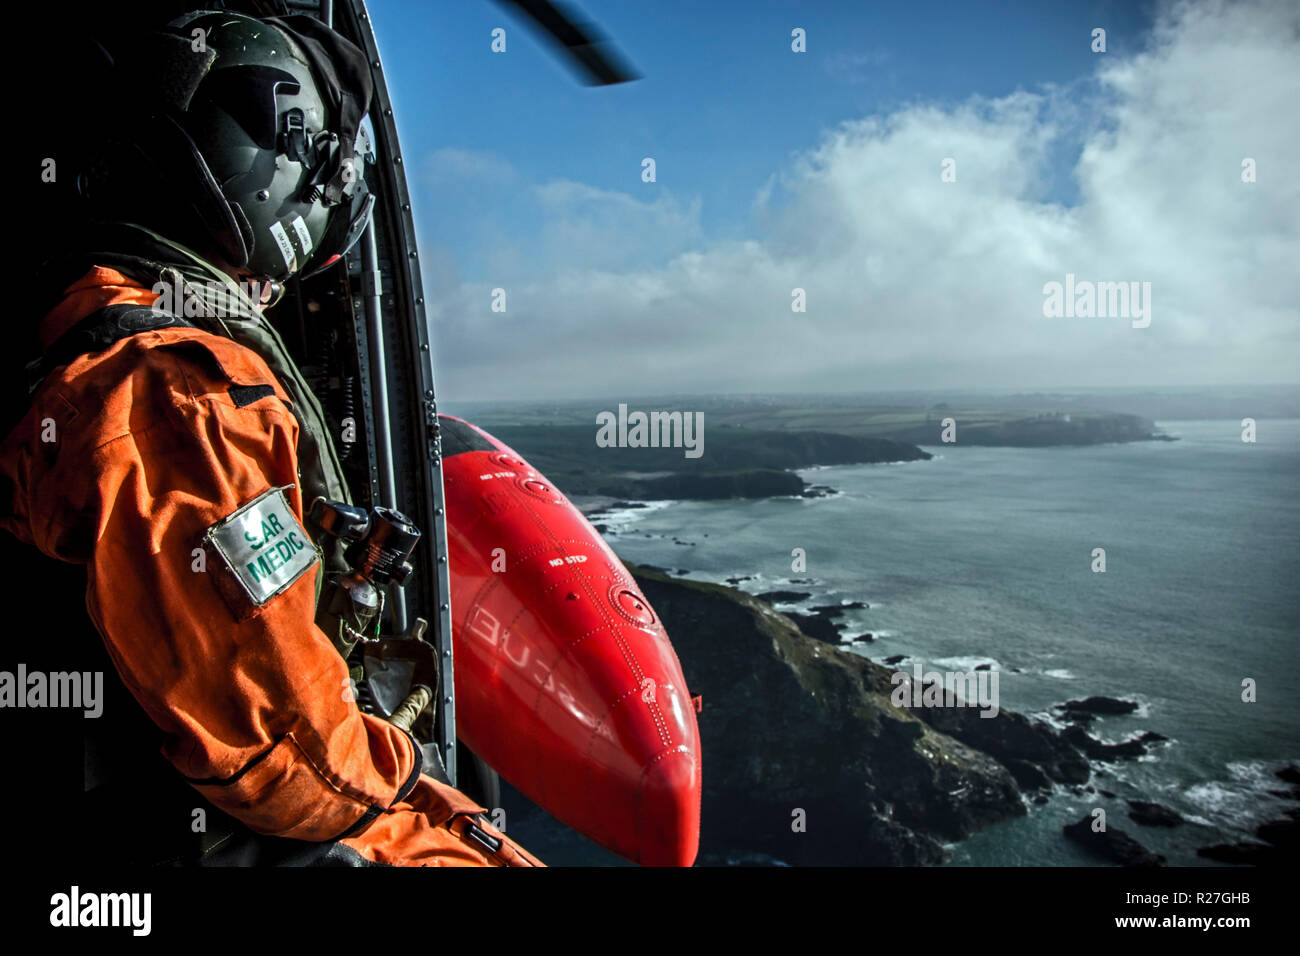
(1099, 705)
(1099, 750)
(1111, 844)
(1030, 749)
(1153, 814)
(820, 626)
(1086, 710)
(776, 597)
(823, 621)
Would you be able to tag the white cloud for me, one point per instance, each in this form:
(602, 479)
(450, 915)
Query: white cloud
(587, 228)
(912, 282)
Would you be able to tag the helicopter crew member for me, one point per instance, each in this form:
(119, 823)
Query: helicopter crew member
(173, 452)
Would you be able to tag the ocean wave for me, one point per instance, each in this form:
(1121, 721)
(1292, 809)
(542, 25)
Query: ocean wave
(1242, 801)
(964, 664)
(825, 496)
(1119, 772)
(904, 664)
(633, 513)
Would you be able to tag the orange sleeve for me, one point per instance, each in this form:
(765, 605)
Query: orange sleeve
(253, 700)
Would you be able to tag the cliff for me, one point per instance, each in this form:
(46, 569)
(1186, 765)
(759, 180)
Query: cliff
(793, 724)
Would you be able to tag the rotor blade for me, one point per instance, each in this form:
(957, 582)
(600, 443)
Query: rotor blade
(597, 60)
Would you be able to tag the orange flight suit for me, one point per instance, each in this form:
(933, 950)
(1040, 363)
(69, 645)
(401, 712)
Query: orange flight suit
(149, 450)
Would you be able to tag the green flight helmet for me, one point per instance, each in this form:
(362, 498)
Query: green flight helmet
(266, 121)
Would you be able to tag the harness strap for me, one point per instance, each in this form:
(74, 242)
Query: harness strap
(98, 331)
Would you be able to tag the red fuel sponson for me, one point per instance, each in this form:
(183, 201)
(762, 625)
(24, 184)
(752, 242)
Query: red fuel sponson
(566, 682)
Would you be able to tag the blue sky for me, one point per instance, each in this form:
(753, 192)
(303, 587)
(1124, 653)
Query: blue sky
(820, 170)
(722, 102)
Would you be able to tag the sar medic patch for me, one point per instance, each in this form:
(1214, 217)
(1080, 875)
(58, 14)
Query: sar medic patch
(264, 545)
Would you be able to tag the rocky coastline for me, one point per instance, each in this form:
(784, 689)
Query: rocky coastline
(808, 760)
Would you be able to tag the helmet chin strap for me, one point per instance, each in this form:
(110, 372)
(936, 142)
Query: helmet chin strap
(263, 292)
(260, 291)
(270, 291)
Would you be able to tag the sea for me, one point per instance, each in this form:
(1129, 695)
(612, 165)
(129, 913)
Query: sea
(988, 556)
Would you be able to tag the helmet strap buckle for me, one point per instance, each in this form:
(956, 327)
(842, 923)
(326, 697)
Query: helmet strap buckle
(293, 138)
(326, 149)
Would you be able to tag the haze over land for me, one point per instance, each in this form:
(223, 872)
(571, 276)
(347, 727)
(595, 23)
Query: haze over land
(878, 412)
